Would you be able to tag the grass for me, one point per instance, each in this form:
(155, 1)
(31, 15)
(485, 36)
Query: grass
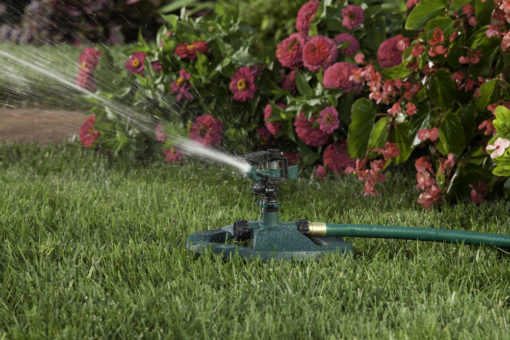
(94, 248)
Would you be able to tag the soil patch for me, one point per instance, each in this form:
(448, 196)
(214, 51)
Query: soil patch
(38, 125)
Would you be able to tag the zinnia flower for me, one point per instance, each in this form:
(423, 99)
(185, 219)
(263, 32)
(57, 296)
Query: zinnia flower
(319, 52)
(305, 16)
(273, 127)
(181, 86)
(135, 64)
(89, 60)
(353, 43)
(88, 133)
(390, 52)
(190, 50)
(206, 130)
(242, 84)
(289, 52)
(306, 131)
(264, 135)
(338, 75)
(320, 172)
(173, 156)
(328, 120)
(353, 17)
(292, 157)
(336, 159)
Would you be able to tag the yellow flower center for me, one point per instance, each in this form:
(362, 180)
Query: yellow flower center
(241, 84)
(135, 62)
(180, 81)
(202, 131)
(83, 65)
(92, 131)
(172, 150)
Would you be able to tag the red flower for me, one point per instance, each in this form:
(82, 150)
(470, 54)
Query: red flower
(305, 16)
(429, 197)
(353, 17)
(320, 172)
(424, 180)
(88, 133)
(319, 52)
(289, 82)
(242, 84)
(336, 159)
(190, 50)
(432, 134)
(173, 156)
(206, 130)
(422, 164)
(390, 52)
(273, 127)
(328, 120)
(181, 86)
(135, 64)
(89, 60)
(156, 66)
(352, 46)
(338, 75)
(289, 52)
(307, 133)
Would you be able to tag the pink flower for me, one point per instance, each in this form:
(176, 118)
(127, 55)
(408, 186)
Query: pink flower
(156, 66)
(273, 127)
(242, 84)
(390, 150)
(173, 156)
(499, 147)
(432, 134)
(135, 64)
(424, 180)
(479, 192)
(395, 109)
(336, 159)
(161, 136)
(353, 17)
(319, 52)
(190, 50)
(181, 86)
(390, 53)
(289, 82)
(264, 135)
(338, 75)
(206, 130)
(328, 120)
(422, 164)
(307, 132)
(305, 16)
(352, 46)
(430, 197)
(411, 109)
(88, 133)
(89, 60)
(289, 52)
(359, 58)
(320, 172)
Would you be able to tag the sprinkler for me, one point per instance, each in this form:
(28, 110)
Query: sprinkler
(270, 238)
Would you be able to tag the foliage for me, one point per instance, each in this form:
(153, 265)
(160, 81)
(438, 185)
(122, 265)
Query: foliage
(75, 21)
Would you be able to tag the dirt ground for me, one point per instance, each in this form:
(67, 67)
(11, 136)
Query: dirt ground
(38, 125)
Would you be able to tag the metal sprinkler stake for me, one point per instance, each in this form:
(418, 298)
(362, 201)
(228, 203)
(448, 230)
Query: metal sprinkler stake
(302, 239)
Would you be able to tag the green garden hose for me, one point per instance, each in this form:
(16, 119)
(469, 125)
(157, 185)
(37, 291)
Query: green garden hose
(317, 229)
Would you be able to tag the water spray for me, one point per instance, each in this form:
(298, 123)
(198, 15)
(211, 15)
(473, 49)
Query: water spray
(270, 238)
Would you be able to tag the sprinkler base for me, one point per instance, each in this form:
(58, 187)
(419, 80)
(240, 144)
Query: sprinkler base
(281, 242)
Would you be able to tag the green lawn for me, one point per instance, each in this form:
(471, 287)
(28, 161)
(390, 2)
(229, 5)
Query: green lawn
(94, 248)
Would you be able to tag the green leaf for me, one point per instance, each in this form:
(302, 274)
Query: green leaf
(362, 122)
(451, 135)
(490, 49)
(379, 134)
(442, 89)
(506, 188)
(302, 85)
(419, 121)
(488, 95)
(468, 116)
(402, 137)
(483, 11)
(444, 24)
(423, 12)
(308, 155)
(457, 4)
(396, 72)
(502, 122)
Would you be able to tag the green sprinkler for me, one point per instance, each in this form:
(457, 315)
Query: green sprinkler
(270, 238)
